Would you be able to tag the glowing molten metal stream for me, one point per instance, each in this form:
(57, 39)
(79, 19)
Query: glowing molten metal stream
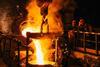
(39, 53)
(43, 52)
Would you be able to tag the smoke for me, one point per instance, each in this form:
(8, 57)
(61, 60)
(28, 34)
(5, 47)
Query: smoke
(65, 8)
(57, 10)
(5, 20)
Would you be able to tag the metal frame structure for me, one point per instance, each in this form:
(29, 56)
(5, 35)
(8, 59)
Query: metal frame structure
(85, 38)
(39, 35)
(6, 46)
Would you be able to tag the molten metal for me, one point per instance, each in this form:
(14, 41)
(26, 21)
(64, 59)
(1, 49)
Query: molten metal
(36, 22)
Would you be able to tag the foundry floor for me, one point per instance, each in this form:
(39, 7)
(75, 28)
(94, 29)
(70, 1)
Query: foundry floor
(2, 64)
(77, 55)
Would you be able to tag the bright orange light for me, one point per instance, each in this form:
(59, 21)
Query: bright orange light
(39, 52)
(28, 29)
(43, 52)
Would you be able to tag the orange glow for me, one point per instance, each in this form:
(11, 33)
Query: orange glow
(39, 53)
(26, 30)
(43, 53)
(34, 18)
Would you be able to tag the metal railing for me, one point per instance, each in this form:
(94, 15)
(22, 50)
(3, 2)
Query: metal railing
(86, 40)
(8, 45)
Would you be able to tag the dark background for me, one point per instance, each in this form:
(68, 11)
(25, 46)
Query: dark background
(88, 10)
(85, 8)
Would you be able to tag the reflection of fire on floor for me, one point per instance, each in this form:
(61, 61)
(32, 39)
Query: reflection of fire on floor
(92, 51)
(85, 59)
(89, 57)
(89, 52)
(81, 55)
(2, 64)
